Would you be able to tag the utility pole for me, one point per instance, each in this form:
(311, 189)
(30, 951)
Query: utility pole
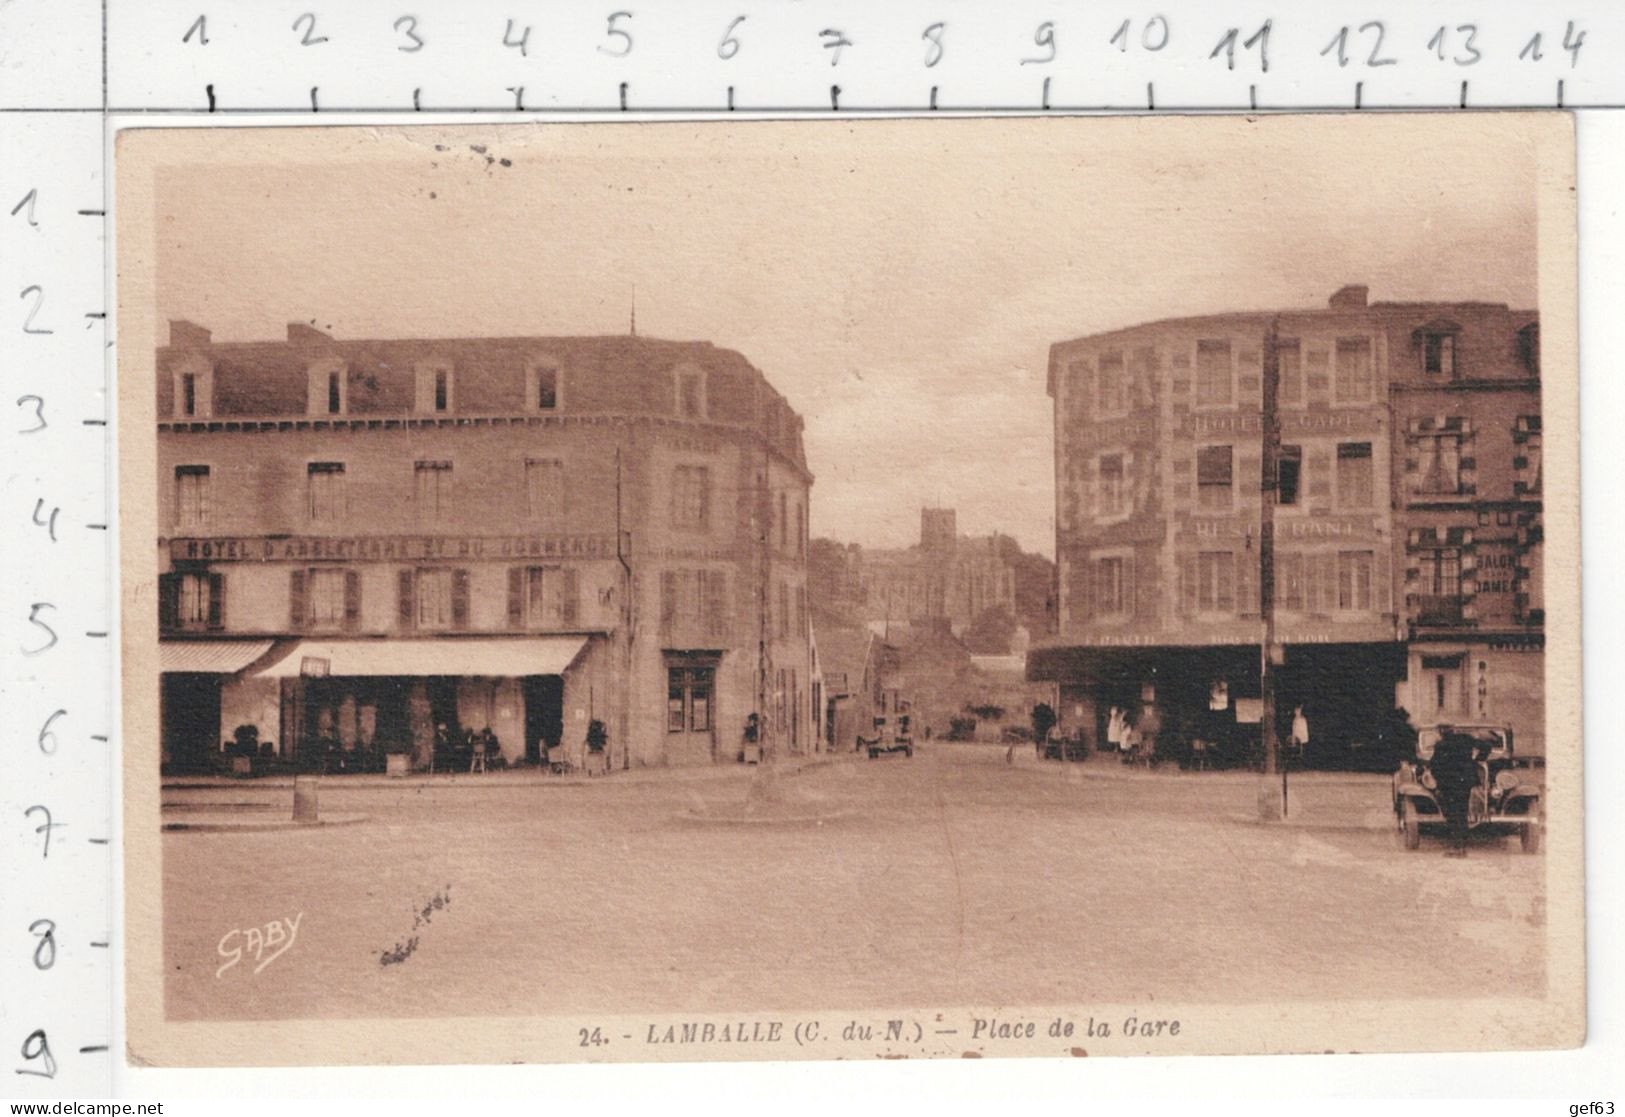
(1269, 807)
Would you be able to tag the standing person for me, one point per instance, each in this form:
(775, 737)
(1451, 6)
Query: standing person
(1114, 728)
(1300, 735)
(1455, 773)
(1150, 730)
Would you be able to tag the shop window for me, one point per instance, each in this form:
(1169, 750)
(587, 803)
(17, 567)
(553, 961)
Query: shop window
(1109, 473)
(1354, 378)
(1439, 355)
(544, 490)
(1438, 464)
(543, 596)
(1289, 475)
(689, 693)
(191, 601)
(324, 484)
(433, 491)
(1110, 386)
(691, 496)
(1289, 355)
(191, 497)
(1354, 475)
(1354, 581)
(1213, 372)
(1213, 478)
(1216, 582)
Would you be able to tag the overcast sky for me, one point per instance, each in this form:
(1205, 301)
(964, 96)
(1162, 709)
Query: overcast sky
(899, 282)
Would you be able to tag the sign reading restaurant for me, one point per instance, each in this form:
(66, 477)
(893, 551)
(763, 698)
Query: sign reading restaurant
(389, 548)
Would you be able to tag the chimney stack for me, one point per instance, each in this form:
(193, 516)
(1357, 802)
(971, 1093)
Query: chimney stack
(1352, 297)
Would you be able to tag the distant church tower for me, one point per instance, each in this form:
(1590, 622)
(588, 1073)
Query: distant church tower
(939, 530)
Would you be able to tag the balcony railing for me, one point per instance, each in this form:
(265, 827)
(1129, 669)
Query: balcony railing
(1440, 609)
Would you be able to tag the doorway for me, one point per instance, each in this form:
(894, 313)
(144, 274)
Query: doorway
(691, 687)
(544, 714)
(189, 712)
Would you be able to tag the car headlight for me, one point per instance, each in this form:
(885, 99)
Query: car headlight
(1505, 781)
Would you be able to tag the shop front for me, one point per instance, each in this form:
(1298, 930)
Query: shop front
(195, 712)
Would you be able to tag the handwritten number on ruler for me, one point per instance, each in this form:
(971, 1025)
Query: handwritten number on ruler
(200, 28)
(933, 36)
(1044, 37)
(1437, 44)
(1260, 39)
(408, 26)
(310, 38)
(523, 42)
(35, 1048)
(834, 41)
(39, 413)
(612, 31)
(49, 523)
(729, 46)
(1340, 43)
(45, 949)
(33, 618)
(1572, 43)
(1153, 36)
(46, 733)
(39, 300)
(44, 828)
(28, 204)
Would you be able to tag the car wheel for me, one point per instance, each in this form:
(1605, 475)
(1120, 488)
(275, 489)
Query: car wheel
(1529, 837)
(1411, 826)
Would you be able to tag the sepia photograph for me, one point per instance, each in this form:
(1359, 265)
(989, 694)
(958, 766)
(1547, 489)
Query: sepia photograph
(929, 588)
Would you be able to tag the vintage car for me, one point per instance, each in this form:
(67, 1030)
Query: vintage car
(892, 732)
(1506, 797)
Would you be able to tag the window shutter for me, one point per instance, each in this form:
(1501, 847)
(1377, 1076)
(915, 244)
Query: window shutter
(296, 600)
(516, 597)
(569, 594)
(716, 603)
(1187, 584)
(668, 599)
(352, 600)
(1129, 603)
(408, 614)
(1247, 583)
(169, 597)
(459, 598)
(217, 601)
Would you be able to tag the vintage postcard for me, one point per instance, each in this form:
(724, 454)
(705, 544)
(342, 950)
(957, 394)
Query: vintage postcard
(723, 590)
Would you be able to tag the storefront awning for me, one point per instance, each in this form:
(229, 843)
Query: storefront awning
(501, 657)
(209, 657)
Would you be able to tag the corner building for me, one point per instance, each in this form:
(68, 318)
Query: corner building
(1158, 436)
(364, 540)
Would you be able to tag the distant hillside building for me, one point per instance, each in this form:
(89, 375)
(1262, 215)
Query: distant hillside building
(945, 578)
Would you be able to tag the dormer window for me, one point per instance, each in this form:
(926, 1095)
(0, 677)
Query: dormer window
(327, 392)
(194, 392)
(1438, 343)
(436, 388)
(542, 385)
(691, 393)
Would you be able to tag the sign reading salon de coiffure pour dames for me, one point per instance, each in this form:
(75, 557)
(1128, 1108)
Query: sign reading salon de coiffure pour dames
(389, 548)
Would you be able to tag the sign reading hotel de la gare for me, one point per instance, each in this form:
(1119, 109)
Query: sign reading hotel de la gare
(389, 548)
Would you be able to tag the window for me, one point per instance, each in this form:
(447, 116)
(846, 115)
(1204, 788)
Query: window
(191, 600)
(1290, 355)
(325, 598)
(1213, 372)
(1112, 399)
(1110, 595)
(1529, 348)
(191, 496)
(193, 604)
(801, 530)
(1354, 475)
(435, 388)
(1439, 572)
(1289, 580)
(691, 394)
(1354, 370)
(1438, 464)
(1111, 485)
(691, 496)
(188, 393)
(544, 490)
(1216, 582)
(326, 391)
(695, 602)
(784, 523)
(1288, 475)
(434, 592)
(688, 699)
(433, 492)
(1213, 475)
(1439, 355)
(550, 596)
(546, 395)
(324, 483)
(1354, 581)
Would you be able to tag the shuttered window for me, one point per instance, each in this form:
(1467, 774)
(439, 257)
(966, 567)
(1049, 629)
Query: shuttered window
(543, 597)
(1213, 478)
(324, 599)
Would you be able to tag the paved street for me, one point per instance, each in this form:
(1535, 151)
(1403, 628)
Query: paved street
(951, 878)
